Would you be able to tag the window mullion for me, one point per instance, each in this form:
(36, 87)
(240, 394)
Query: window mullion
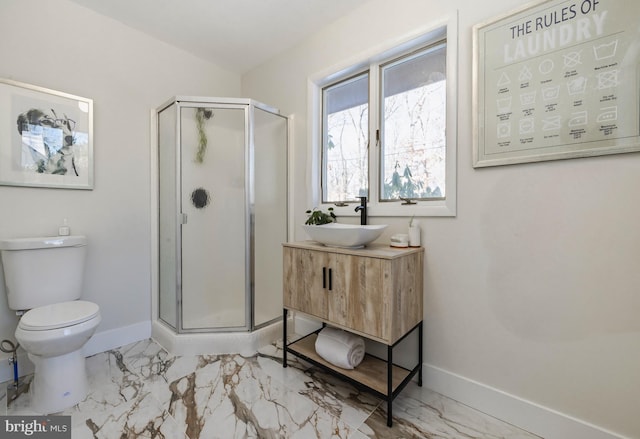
(374, 134)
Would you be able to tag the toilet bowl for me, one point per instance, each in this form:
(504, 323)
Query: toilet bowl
(43, 279)
(53, 336)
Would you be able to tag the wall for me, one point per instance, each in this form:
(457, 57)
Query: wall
(531, 293)
(62, 46)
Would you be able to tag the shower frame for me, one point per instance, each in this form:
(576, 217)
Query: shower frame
(249, 107)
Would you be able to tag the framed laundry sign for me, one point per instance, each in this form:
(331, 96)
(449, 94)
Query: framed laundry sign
(46, 137)
(557, 79)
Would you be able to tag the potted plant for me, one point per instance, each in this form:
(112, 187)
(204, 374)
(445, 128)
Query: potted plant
(317, 217)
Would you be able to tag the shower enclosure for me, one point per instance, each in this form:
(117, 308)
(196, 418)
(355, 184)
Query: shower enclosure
(222, 213)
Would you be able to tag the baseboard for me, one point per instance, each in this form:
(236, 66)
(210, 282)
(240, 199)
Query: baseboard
(100, 342)
(532, 417)
(114, 338)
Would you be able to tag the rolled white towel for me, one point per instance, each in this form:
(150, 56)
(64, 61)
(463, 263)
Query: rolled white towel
(340, 348)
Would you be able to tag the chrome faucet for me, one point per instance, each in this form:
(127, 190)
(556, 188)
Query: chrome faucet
(362, 208)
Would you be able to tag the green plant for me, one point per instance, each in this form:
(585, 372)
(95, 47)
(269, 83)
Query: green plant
(402, 185)
(318, 217)
(202, 114)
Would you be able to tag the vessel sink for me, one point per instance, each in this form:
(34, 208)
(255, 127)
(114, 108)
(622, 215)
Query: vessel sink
(344, 235)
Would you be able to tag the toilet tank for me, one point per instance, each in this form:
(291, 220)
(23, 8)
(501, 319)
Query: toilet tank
(43, 271)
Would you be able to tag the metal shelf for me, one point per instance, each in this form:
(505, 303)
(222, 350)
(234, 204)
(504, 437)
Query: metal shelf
(369, 375)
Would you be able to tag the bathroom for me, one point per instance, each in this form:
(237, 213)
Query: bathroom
(530, 291)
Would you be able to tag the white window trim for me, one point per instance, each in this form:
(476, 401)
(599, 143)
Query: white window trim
(448, 27)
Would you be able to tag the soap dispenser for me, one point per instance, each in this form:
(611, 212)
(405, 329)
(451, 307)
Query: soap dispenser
(64, 230)
(414, 233)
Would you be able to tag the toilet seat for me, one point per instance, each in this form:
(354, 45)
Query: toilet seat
(58, 315)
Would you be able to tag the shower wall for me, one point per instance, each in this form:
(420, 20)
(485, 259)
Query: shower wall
(222, 213)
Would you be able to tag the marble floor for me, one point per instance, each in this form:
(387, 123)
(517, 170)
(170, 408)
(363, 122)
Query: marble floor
(141, 391)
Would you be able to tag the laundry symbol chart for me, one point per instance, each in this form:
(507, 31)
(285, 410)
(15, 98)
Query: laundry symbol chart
(607, 114)
(577, 85)
(504, 80)
(504, 130)
(578, 119)
(504, 104)
(546, 66)
(551, 123)
(608, 79)
(527, 126)
(604, 51)
(573, 59)
(551, 93)
(525, 74)
(528, 98)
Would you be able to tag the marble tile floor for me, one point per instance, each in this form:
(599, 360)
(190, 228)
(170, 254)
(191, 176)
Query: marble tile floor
(141, 391)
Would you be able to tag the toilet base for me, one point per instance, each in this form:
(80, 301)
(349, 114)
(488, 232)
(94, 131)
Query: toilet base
(58, 382)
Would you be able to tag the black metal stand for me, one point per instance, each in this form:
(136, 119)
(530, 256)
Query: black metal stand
(285, 312)
(391, 394)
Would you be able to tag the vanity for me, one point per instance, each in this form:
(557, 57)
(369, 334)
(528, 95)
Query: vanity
(375, 292)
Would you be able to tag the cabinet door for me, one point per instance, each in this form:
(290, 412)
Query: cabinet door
(306, 280)
(358, 299)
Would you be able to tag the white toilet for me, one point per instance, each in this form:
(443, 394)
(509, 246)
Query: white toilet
(43, 277)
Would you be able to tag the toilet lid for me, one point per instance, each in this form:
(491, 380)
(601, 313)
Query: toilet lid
(58, 315)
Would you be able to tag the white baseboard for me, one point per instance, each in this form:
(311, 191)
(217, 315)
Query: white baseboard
(100, 342)
(532, 417)
(114, 338)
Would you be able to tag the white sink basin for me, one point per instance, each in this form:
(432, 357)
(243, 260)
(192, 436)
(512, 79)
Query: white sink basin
(344, 235)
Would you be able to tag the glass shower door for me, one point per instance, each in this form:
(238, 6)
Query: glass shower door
(269, 213)
(214, 227)
(168, 269)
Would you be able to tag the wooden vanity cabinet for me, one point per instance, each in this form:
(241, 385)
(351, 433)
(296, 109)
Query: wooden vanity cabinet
(341, 289)
(375, 292)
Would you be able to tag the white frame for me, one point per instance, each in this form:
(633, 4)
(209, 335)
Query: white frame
(446, 28)
(568, 122)
(16, 99)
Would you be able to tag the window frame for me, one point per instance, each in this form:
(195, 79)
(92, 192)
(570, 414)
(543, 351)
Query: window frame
(380, 130)
(445, 31)
(324, 140)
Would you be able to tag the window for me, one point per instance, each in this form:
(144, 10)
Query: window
(413, 126)
(345, 136)
(386, 130)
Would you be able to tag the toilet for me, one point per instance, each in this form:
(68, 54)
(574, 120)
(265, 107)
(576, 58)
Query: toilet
(43, 279)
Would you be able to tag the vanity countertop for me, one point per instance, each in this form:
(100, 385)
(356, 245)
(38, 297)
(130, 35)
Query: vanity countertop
(372, 250)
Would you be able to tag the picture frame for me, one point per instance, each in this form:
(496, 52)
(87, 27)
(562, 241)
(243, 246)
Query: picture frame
(46, 137)
(556, 79)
